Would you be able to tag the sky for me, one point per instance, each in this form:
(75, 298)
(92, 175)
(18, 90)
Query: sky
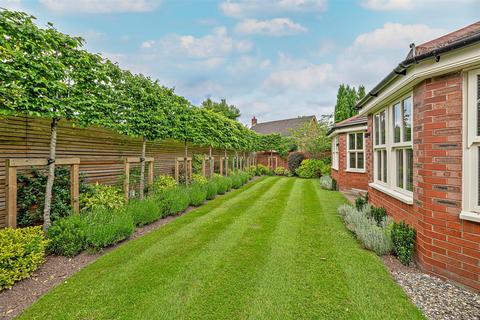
(273, 59)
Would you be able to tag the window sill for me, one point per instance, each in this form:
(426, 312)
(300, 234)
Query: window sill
(395, 194)
(470, 216)
(355, 170)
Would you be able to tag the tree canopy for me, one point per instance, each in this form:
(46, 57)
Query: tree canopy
(347, 98)
(222, 107)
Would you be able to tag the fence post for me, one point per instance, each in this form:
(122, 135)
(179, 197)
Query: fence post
(11, 199)
(74, 187)
(126, 181)
(151, 169)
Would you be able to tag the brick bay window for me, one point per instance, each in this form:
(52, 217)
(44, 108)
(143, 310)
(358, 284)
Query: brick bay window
(393, 150)
(471, 155)
(335, 153)
(356, 152)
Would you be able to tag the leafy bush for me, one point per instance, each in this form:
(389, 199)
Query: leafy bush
(403, 237)
(280, 171)
(222, 184)
(371, 235)
(144, 211)
(107, 227)
(361, 201)
(31, 196)
(174, 200)
(237, 181)
(211, 189)
(378, 214)
(294, 160)
(288, 173)
(252, 170)
(310, 168)
(68, 236)
(228, 182)
(245, 176)
(22, 252)
(102, 197)
(197, 194)
(262, 170)
(163, 183)
(326, 182)
(198, 178)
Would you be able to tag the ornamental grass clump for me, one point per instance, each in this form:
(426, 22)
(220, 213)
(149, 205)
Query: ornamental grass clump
(197, 194)
(22, 252)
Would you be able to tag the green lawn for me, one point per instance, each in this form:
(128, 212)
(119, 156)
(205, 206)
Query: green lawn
(274, 249)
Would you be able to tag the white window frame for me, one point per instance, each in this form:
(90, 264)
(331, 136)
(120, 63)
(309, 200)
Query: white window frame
(347, 154)
(390, 185)
(470, 197)
(335, 153)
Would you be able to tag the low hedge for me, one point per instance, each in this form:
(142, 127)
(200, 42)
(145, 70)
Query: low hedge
(22, 252)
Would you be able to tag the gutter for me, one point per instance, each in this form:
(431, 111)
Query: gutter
(402, 67)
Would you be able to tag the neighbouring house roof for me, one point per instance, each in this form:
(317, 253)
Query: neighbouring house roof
(458, 39)
(282, 127)
(356, 120)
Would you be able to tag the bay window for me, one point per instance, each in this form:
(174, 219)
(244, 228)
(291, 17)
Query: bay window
(356, 152)
(335, 153)
(393, 149)
(471, 155)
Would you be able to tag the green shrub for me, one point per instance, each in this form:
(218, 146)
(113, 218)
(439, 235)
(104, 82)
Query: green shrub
(22, 252)
(252, 170)
(102, 197)
(294, 160)
(310, 168)
(288, 173)
(163, 183)
(174, 200)
(262, 170)
(198, 178)
(237, 181)
(378, 214)
(144, 211)
(228, 182)
(403, 237)
(280, 171)
(326, 182)
(361, 201)
(371, 235)
(211, 189)
(197, 194)
(68, 236)
(222, 184)
(107, 227)
(245, 176)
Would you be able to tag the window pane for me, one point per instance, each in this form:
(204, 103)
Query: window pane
(360, 160)
(379, 165)
(384, 165)
(478, 107)
(353, 163)
(377, 128)
(351, 141)
(359, 141)
(407, 119)
(382, 127)
(397, 115)
(399, 168)
(409, 169)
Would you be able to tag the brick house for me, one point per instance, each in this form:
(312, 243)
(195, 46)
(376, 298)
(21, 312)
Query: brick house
(423, 151)
(284, 128)
(348, 154)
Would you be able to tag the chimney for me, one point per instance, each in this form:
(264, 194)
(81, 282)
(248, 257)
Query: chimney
(254, 121)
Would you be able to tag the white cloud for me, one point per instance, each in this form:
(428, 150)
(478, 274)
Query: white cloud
(103, 6)
(15, 5)
(216, 44)
(386, 5)
(274, 27)
(310, 77)
(243, 8)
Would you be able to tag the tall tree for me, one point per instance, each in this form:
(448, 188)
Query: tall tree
(222, 107)
(347, 97)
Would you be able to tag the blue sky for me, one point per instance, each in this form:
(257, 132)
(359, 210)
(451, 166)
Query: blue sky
(273, 59)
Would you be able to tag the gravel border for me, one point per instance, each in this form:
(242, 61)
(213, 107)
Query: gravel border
(436, 298)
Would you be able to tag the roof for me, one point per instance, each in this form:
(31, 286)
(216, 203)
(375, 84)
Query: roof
(461, 38)
(283, 127)
(350, 122)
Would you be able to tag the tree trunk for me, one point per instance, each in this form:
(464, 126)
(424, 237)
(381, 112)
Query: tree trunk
(142, 169)
(51, 175)
(186, 163)
(211, 162)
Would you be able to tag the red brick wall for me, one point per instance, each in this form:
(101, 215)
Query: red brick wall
(347, 180)
(447, 246)
(262, 158)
